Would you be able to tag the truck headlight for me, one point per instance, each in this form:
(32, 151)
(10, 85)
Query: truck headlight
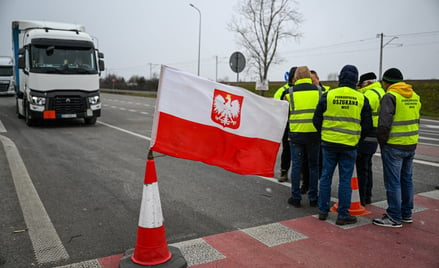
(38, 100)
(94, 99)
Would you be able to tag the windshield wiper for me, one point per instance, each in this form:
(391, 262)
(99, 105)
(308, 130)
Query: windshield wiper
(83, 71)
(51, 70)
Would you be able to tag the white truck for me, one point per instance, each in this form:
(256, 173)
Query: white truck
(57, 71)
(7, 84)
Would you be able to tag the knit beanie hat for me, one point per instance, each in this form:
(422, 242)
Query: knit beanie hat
(348, 76)
(392, 75)
(366, 77)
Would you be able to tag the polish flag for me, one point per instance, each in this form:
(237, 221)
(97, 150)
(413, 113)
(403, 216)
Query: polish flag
(217, 124)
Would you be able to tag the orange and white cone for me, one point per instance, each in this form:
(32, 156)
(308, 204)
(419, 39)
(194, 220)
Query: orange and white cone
(356, 208)
(151, 246)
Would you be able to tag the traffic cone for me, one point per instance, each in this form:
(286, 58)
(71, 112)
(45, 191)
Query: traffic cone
(356, 208)
(151, 246)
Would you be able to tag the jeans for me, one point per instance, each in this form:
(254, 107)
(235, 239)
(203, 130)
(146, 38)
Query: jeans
(365, 176)
(345, 161)
(311, 150)
(398, 171)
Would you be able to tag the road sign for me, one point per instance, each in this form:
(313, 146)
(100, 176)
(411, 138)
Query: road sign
(237, 62)
(261, 85)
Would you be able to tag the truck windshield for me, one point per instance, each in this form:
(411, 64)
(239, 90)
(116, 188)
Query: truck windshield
(6, 71)
(60, 59)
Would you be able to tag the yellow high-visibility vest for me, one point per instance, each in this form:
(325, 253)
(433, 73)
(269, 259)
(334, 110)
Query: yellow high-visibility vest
(374, 93)
(279, 91)
(302, 106)
(405, 126)
(342, 118)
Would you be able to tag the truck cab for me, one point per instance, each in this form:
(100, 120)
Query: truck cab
(58, 70)
(7, 84)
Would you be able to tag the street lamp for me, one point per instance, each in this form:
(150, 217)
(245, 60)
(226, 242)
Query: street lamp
(199, 37)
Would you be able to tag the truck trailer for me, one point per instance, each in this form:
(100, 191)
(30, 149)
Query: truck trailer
(7, 84)
(57, 71)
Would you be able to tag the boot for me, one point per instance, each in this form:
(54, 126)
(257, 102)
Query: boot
(283, 176)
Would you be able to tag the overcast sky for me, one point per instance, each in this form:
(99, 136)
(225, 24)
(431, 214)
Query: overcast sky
(137, 36)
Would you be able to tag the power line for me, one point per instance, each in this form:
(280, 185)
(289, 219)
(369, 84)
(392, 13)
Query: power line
(420, 33)
(359, 41)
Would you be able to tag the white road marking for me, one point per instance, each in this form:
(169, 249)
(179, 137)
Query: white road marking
(124, 130)
(45, 240)
(2, 127)
(433, 164)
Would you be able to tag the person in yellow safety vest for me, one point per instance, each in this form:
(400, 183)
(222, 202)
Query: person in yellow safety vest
(344, 117)
(397, 134)
(304, 138)
(280, 91)
(316, 81)
(285, 160)
(305, 175)
(373, 91)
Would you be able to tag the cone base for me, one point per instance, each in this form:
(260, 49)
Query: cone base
(357, 210)
(177, 260)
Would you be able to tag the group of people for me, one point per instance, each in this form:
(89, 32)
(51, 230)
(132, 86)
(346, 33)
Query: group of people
(343, 126)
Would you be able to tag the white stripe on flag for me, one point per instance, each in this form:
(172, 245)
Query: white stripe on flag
(191, 97)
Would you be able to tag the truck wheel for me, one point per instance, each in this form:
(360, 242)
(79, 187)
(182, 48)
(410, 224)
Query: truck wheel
(30, 122)
(90, 120)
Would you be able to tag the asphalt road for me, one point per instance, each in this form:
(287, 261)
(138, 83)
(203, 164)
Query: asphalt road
(89, 179)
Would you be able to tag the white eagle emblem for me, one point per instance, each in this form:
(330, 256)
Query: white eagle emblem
(226, 109)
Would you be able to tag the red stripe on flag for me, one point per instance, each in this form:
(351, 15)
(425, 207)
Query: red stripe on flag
(189, 140)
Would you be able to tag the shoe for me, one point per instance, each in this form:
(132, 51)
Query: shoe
(347, 220)
(313, 203)
(283, 176)
(303, 189)
(323, 216)
(386, 221)
(407, 219)
(368, 200)
(294, 202)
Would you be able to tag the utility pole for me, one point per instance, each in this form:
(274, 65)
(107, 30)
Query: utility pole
(382, 46)
(381, 55)
(199, 36)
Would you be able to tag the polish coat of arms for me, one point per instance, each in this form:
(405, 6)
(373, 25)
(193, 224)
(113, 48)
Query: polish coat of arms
(226, 109)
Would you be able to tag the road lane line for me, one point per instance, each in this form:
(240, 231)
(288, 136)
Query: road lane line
(124, 130)
(270, 179)
(428, 163)
(2, 127)
(45, 240)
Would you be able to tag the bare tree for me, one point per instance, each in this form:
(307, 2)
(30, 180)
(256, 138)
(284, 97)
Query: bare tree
(261, 25)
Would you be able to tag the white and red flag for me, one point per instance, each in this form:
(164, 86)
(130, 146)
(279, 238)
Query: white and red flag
(217, 124)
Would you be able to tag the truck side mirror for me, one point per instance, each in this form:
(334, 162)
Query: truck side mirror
(101, 65)
(21, 58)
(100, 55)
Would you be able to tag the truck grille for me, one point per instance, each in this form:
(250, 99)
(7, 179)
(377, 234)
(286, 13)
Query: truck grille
(69, 104)
(4, 87)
